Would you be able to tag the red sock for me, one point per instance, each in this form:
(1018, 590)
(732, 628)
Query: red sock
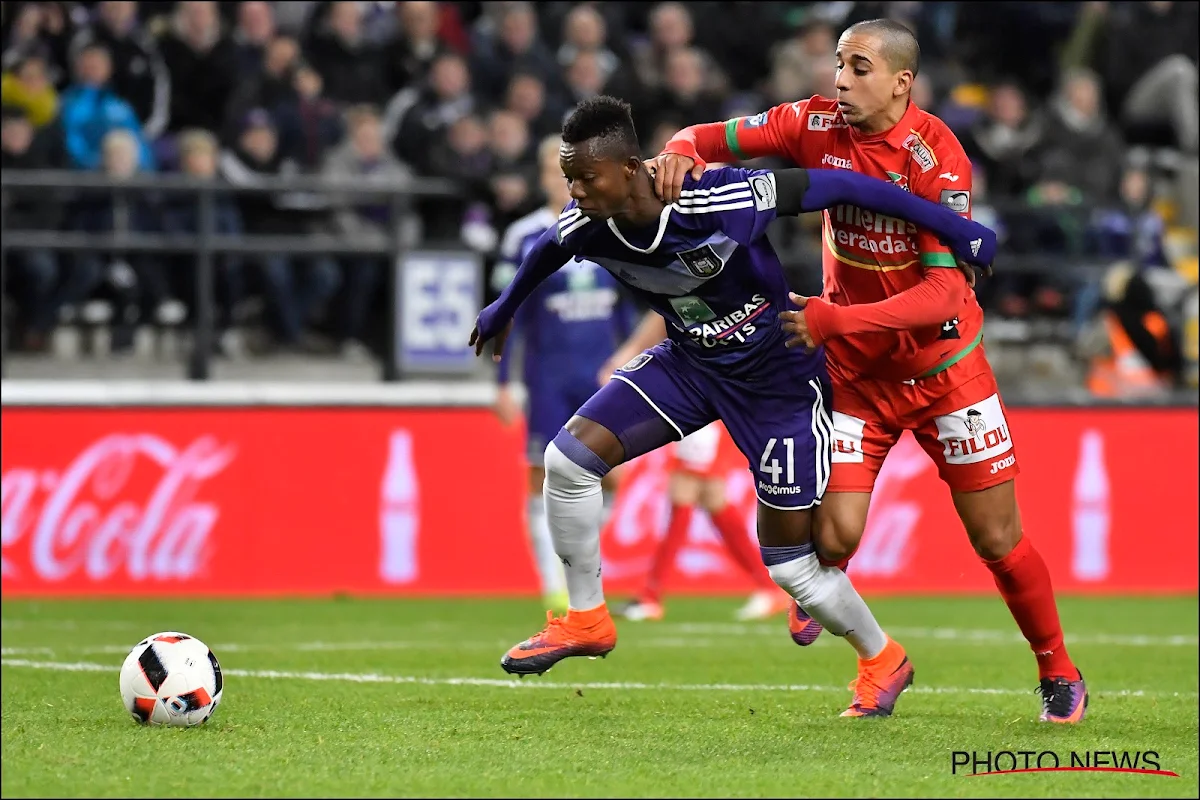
(664, 556)
(1024, 583)
(732, 526)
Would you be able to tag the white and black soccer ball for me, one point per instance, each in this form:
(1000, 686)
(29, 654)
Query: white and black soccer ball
(171, 678)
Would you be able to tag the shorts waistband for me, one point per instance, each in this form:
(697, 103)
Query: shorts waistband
(950, 362)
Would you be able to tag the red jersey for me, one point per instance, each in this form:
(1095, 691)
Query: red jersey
(868, 257)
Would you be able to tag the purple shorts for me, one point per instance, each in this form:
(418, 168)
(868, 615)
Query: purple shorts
(781, 421)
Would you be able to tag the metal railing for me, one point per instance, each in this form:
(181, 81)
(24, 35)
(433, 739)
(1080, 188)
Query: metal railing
(206, 243)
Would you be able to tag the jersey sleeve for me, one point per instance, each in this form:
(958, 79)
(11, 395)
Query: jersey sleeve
(775, 132)
(740, 203)
(944, 178)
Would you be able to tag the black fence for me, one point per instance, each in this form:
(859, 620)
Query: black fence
(206, 243)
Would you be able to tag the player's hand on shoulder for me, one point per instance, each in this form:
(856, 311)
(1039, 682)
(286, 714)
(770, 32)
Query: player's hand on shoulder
(490, 325)
(669, 170)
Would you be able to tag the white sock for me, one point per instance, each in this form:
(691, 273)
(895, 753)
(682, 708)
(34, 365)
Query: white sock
(574, 507)
(826, 595)
(549, 568)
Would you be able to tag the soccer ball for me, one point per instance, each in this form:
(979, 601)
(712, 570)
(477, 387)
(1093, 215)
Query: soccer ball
(171, 678)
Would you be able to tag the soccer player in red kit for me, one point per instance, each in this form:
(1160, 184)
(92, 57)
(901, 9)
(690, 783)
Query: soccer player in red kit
(900, 325)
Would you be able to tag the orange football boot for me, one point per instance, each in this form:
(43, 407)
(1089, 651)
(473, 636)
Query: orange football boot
(588, 633)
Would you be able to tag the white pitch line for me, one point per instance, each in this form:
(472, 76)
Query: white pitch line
(513, 683)
(941, 634)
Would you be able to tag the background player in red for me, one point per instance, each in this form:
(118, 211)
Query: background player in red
(697, 473)
(900, 324)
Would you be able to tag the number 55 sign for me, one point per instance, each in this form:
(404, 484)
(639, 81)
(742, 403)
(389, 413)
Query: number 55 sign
(439, 297)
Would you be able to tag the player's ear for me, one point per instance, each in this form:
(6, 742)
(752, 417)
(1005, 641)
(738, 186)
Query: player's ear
(904, 83)
(631, 167)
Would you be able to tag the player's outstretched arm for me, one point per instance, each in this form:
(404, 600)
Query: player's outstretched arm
(494, 322)
(801, 190)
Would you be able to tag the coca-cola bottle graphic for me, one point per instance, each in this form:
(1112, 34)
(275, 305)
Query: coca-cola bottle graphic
(399, 512)
(1090, 512)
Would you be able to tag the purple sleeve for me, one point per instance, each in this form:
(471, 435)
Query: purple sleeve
(544, 259)
(738, 202)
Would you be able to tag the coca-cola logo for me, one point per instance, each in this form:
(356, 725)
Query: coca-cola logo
(126, 503)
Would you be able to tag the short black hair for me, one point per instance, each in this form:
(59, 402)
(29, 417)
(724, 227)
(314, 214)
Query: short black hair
(900, 46)
(608, 123)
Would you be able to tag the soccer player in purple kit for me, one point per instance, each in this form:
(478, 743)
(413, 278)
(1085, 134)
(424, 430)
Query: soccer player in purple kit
(568, 328)
(706, 265)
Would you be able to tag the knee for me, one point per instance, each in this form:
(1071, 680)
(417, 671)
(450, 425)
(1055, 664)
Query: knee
(994, 539)
(836, 534)
(712, 497)
(800, 576)
(571, 467)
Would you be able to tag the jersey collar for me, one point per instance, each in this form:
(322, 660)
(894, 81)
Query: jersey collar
(663, 218)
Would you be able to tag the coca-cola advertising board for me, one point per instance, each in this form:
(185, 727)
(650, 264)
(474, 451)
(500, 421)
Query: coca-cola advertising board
(408, 501)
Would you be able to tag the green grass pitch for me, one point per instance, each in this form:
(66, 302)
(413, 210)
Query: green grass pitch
(406, 698)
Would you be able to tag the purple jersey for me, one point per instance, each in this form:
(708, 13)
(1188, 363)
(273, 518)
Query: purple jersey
(572, 322)
(708, 268)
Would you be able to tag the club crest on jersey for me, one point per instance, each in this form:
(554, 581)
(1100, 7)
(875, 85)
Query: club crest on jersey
(920, 152)
(898, 180)
(703, 262)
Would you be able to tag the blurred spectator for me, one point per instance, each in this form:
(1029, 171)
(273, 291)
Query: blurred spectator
(420, 115)
(670, 27)
(1142, 360)
(255, 31)
(34, 272)
(794, 60)
(45, 28)
(139, 74)
(685, 94)
(309, 123)
(585, 78)
(1146, 54)
(28, 87)
(739, 37)
(1081, 148)
(270, 88)
(462, 155)
(350, 66)
(1006, 142)
(202, 64)
(514, 46)
(199, 153)
(514, 167)
(91, 109)
(363, 157)
(122, 277)
(297, 291)
(585, 29)
(527, 97)
(408, 59)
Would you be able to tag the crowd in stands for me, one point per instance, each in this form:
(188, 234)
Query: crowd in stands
(1080, 120)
